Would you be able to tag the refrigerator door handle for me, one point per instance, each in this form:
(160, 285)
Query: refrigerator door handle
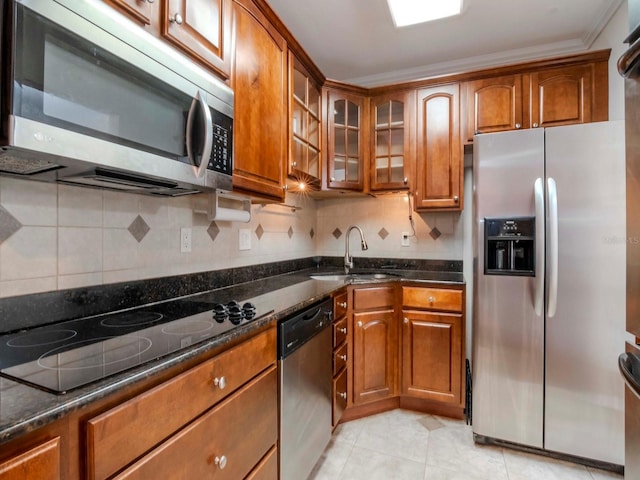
(553, 247)
(538, 300)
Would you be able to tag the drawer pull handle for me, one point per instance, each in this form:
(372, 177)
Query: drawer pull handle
(405, 320)
(431, 300)
(360, 324)
(342, 357)
(220, 462)
(343, 330)
(342, 304)
(342, 395)
(220, 383)
(177, 19)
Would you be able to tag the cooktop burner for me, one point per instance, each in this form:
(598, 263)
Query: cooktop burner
(67, 355)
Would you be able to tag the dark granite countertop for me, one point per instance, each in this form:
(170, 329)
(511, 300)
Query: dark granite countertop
(24, 408)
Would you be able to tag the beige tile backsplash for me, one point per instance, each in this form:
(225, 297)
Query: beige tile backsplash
(72, 237)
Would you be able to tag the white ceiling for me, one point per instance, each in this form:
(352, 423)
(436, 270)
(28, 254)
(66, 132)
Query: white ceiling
(355, 41)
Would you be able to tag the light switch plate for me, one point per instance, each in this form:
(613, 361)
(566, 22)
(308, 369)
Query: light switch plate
(244, 239)
(405, 239)
(185, 240)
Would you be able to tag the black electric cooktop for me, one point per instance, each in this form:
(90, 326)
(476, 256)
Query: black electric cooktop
(67, 355)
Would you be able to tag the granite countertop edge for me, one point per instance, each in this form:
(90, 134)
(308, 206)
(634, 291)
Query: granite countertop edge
(42, 408)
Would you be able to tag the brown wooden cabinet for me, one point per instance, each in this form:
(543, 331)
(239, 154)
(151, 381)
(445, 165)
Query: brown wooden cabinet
(41, 462)
(305, 120)
(260, 84)
(374, 336)
(340, 356)
(130, 430)
(439, 169)
(200, 28)
(392, 119)
(493, 105)
(347, 148)
(433, 345)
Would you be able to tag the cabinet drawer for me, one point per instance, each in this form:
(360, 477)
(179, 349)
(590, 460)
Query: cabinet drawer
(118, 436)
(432, 298)
(373, 297)
(339, 396)
(339, 332)
(340, 305)
(339, 359)
(225, 443)
(41, 462)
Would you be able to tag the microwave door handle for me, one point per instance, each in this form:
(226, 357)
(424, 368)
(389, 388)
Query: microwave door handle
(199, 99)
(538, 301)
(628, 61)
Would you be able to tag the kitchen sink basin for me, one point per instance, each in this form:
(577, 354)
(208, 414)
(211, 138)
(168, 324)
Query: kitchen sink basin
(355, 277)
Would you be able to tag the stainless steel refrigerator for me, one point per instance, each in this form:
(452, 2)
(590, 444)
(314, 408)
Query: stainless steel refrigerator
(549, 289)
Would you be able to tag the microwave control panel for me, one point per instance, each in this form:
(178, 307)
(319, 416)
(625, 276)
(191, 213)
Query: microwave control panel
(221, 153)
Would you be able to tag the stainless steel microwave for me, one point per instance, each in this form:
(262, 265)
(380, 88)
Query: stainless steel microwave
(89, 98)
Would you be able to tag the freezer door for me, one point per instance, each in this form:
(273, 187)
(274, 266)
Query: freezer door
(584, 397)
(507, 333)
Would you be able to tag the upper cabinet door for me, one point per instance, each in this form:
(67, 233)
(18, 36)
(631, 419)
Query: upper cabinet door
(493, 105)
(304, 139)
(439, 158)
(562, 96)
(391, 144)
(202, 29)
(346, 140)
(260, 83)
(142, 11)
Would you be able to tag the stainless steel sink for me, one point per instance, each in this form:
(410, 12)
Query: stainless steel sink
(355, 277)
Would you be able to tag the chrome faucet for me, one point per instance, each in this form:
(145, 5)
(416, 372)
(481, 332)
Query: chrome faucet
(348, 261)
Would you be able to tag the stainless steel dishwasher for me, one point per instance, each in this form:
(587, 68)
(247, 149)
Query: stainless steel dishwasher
(304, 363)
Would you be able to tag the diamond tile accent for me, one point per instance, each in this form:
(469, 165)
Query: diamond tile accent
(290, 232)
(213, 231)
(435, 233)
(383, 233)
(337, 233)
(259, 231)
(8, 224)
(139, 228)
(312, 233)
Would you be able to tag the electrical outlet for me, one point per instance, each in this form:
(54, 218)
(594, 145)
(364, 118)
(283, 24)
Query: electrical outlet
(244, 239)
(405, 239)
(185, 240)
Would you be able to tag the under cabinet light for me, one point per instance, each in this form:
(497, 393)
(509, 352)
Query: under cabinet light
(409, 12)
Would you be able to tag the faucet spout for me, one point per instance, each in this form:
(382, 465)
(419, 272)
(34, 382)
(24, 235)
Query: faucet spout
(348, 260)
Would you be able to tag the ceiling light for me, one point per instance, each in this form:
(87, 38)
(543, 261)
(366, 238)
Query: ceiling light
(409, 12)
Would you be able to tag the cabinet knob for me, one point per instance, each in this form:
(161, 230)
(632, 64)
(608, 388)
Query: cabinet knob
(177, 19)
(343, 357)
(343, 330)
(405, 320)
(220, 462)
(294, 164)
(431, 300)
(342, 395)
(342, 304)
(333, 179)
(535, 125)
(360, 324)
(406, 180)
(456, 199)
(220, 382)
(285, 187)
(518, 125)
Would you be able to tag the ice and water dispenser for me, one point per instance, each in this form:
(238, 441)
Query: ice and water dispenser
(509, 246)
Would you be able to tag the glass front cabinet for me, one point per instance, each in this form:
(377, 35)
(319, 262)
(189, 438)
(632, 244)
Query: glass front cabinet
(391, 141)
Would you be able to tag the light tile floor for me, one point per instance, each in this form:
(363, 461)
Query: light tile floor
(406, 445)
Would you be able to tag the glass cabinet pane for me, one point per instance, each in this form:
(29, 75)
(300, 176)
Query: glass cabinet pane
(299, 154)
(300, 86)
(382, 170)
(382, 115)
(353, 115)
(339, 169)
(353, 169)
(397, 141)
(339, 112)
(314, 100)
(352, 143)
(339, 143)
(397, 169)
(313, 167)
(397, 113)
(382, 143)
(314, 132)
(298, 120)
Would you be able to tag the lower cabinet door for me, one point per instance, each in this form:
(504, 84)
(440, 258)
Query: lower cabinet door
(225, 443)
(432, 356)
(41, 462)
(339, 396)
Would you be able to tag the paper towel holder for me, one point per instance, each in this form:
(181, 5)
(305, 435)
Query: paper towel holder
(220, 206)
